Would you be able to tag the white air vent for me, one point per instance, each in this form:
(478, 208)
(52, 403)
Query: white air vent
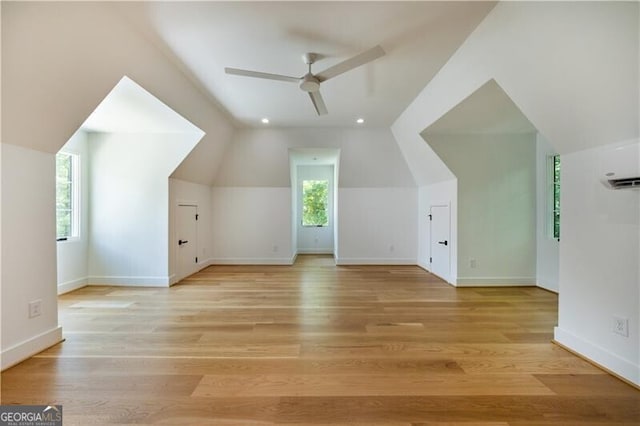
(629, 183)
(620, 167)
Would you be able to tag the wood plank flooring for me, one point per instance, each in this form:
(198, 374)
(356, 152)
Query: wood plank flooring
(316, 344)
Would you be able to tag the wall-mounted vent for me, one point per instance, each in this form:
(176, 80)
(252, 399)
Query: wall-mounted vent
(620, 166)
(628, 183)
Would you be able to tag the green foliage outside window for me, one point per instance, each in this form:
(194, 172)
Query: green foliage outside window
(64, 195)
(556, 197)
(314, 202)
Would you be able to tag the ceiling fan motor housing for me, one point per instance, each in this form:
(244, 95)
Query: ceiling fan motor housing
(310, 83)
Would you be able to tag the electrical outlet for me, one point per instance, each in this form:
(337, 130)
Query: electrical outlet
(472, 263)
(621, 326)
(275, 249)
(392, 248)
(35, 308)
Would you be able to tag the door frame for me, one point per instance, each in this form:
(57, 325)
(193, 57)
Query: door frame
(177, 274)
(431, 240)
(331, 209)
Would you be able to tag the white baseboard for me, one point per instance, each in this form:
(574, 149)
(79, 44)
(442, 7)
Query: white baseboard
(315, 250)
(548, 288)
(427, 268)
(373, 261)
(72, 285)
(424, 266)
(175, 278)
(30, 347)
(131, 281)
(252, 261)
(495, 281)
(601, 356)
(204, 263)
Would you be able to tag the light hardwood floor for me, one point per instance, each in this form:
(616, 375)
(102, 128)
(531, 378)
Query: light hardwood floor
(316, 344)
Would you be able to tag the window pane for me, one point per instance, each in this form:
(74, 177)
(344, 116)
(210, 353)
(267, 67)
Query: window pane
(63, 225)
(64, 196)
(314, 202)
(556, 196)
(63, 167)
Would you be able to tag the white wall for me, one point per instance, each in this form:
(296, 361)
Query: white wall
(442, 193)
(129, 206)
(260, 157)
(371, 172)
(336, 208)
(315, 239)
(28, 253)
(377, 225)
(1, 225)
(547, 247)
(72, 255)
(576, 81)
(181, 192)
(496, 205)
(36, 78)
(599, 256)
(252, 225)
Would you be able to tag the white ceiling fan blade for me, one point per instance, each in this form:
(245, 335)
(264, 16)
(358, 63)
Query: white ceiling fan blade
(349, 64)
(256, 74)
(318, 103)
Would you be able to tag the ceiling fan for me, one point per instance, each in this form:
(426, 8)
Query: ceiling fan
(310, 82)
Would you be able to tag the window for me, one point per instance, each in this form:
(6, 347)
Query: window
(315, 194)
(67, 196)
(554, 196)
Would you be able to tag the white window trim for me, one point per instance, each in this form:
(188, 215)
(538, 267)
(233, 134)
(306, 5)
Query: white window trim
(550, 205)
(76, 176)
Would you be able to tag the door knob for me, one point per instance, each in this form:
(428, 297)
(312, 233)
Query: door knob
(181, 242)
(444, 243)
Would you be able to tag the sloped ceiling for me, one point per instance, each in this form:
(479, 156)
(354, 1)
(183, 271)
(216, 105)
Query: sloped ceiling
(128, 108)
(203, 38)
(570, 67)
(487, 111)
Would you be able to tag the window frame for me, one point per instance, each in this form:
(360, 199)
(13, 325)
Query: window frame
(74, 192)
(553, 196)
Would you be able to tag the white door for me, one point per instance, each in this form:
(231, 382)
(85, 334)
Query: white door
(440, 241)
(186, 239)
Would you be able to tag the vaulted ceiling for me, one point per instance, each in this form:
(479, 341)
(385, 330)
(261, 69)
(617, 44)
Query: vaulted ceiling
(488, 110)
(203, 38)
(576, 81)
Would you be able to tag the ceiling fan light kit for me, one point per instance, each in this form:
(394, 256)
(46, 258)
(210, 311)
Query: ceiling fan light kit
(310, 82)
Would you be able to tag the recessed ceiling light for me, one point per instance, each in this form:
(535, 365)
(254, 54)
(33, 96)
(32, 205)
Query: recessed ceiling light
(265, 121)
(360, 120)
